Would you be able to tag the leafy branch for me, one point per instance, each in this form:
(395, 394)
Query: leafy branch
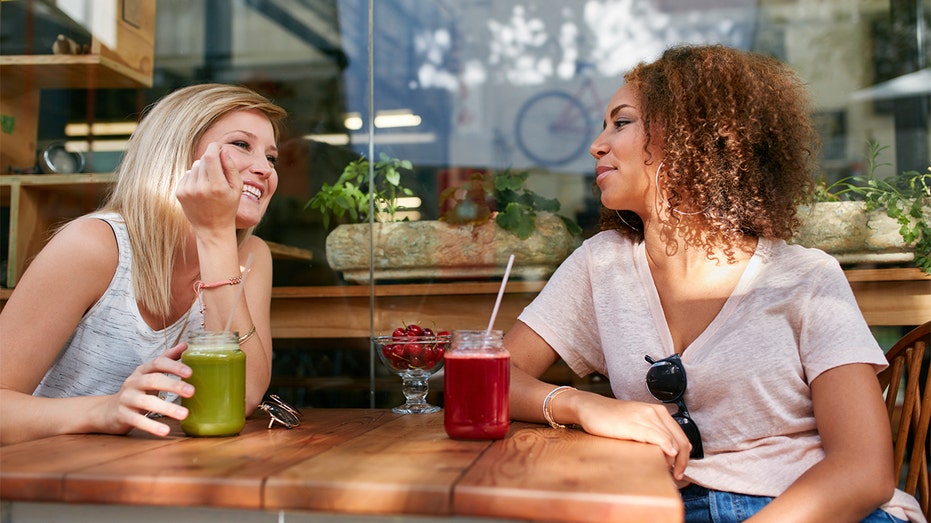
(503, 196)
(905, 198)
(349, 195)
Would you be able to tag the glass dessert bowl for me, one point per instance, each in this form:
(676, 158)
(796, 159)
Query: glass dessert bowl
(415, 359)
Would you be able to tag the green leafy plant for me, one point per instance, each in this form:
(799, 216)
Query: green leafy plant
(503, 196)
(350, 195)
(905, 198)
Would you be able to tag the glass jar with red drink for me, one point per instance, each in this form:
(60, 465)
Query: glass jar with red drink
(477, 380)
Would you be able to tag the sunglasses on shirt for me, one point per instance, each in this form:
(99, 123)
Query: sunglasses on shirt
(666, 382)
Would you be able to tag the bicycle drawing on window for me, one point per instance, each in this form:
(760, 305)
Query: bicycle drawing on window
(555, 127)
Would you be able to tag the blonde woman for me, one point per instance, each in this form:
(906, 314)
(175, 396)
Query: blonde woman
(94, 330)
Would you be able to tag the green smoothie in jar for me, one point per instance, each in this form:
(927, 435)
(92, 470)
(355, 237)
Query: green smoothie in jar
(219, 378)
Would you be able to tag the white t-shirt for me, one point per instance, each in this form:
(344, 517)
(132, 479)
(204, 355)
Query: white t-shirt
(791, 317)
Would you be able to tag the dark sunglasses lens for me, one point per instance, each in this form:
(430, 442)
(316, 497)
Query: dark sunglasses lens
(692, 433)
(281, 412)
(666, 381)
(282, 416)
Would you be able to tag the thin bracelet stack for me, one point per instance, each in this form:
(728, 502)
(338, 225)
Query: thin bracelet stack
(247, 336)
(548, 410)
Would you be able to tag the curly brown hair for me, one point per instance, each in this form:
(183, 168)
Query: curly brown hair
(738, 141)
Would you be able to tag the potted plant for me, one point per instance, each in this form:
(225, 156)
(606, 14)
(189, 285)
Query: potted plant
(871, 219)
(460, 245)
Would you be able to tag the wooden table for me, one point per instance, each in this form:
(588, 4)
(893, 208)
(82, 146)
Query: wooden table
(351, 462)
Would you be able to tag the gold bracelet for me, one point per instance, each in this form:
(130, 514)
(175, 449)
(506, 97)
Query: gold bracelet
(547, 408)
(247, 336)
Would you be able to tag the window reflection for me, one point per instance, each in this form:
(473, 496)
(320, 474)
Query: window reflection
(485, 86)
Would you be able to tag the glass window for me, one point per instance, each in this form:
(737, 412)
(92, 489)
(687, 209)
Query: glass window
(469, 92)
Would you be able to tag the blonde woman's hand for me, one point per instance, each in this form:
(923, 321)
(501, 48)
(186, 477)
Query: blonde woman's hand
(138, 398)
(210, 191)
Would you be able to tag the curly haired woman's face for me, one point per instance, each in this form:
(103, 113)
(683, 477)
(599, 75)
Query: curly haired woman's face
(625, 179)
(250, 137)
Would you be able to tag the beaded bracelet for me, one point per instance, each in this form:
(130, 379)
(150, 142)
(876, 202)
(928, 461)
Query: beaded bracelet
(547, 409)
(199, 286)
(247, 336)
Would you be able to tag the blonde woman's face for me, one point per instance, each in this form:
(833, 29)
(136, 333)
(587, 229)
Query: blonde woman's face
(250, 138)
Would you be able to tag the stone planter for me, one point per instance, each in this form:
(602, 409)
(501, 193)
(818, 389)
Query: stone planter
(849, 233)
(423, 250)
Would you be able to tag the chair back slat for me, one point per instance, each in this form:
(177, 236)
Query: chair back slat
(894, 373)
(906, 359)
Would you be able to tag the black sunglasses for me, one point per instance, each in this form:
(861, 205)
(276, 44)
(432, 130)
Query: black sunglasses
(666, 381)
(281, 412)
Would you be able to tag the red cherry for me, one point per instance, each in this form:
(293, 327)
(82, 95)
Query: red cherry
(427, 331)
(442, 333)
(414, 330)
(398, 333)
(414, 350)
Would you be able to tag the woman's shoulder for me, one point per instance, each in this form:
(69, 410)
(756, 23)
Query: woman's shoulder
(800, 264)
(88, 234)
(609, 239)
(797, 256)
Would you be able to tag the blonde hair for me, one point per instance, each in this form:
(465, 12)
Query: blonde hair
(157, 155)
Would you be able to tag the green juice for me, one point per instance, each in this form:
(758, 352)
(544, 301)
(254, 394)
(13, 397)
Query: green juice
(219, 379)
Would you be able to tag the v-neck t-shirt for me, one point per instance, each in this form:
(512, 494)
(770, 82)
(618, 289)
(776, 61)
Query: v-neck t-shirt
(791, 316)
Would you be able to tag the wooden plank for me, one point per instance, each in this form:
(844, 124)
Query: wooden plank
(350, 317)
(19, 132)
(891, 274)
(32, 471)
(540, 474)
(407, 466)
(894, 302)
(220, 472)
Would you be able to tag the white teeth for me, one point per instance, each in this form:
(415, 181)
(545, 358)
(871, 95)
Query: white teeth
(252, 191)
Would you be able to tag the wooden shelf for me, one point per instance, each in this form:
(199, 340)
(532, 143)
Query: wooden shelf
(26, 73)
(38, 203)
(120, 56)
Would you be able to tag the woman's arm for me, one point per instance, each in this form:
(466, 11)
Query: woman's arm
(210, 194)
(531, 356)
(856, 475)
(66, 278)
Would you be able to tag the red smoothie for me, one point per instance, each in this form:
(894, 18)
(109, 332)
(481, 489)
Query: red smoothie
(476, 394)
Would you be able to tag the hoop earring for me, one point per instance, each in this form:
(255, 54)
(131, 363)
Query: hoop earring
(677, 211)
(631, 227)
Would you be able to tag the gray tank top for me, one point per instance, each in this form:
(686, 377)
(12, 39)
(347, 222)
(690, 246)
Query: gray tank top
(112, 339)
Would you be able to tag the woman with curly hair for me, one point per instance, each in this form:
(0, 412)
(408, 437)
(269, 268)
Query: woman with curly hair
(93, 331)
(704, 157)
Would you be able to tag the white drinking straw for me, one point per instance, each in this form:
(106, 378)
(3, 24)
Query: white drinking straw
(504, 282)
(242, 287)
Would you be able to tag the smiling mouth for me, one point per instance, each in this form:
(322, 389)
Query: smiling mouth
(252, 191)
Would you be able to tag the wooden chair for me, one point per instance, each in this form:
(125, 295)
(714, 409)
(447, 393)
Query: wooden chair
(910, 417)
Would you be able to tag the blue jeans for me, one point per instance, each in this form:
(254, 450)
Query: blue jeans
(713, 506)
